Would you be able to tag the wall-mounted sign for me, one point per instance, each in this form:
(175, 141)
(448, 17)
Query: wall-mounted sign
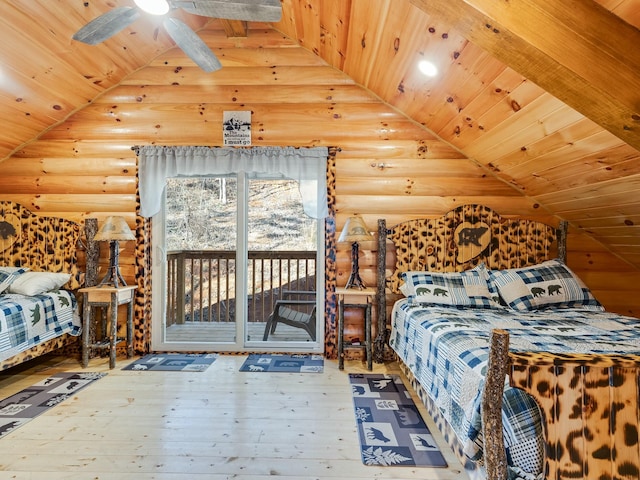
(236, 128)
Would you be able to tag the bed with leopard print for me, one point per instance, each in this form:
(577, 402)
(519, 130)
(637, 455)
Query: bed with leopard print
(588, 402)
(38, 244)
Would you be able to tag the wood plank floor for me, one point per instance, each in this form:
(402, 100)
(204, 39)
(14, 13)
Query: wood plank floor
(214, 425)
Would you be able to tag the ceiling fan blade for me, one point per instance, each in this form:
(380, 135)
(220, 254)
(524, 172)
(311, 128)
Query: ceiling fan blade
(249, 10)
(192, 45)
(107, 25)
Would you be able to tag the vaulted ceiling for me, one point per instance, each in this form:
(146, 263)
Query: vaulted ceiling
(543, 94)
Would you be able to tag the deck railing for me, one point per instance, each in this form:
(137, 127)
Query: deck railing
(201, 284)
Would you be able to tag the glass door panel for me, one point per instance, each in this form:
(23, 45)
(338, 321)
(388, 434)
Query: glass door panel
(281, 262)
(201, 236)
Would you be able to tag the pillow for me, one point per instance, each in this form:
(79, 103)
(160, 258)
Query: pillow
(13, 269)
(460, 289)
(35, 283)
(8, 275)
(550, 284)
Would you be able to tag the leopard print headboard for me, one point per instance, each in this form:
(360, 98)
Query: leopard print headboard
(466, 237)
(40, 243)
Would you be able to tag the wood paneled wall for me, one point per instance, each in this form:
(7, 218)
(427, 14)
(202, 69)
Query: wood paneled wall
(387, 167)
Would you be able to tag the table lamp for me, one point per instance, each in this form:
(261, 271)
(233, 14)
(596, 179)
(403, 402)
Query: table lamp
(114, 229)
(355, 231)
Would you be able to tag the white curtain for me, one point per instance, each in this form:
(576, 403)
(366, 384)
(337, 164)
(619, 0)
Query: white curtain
(305, 165)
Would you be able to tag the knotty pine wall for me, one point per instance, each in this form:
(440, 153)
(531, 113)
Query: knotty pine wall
(387, 167)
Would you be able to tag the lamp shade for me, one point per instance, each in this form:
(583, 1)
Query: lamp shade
(114, 228)
(355, 230)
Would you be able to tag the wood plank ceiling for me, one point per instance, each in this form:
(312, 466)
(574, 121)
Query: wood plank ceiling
(543, 94)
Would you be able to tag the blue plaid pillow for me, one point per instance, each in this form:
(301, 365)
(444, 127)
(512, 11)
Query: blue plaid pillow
(459, 289)
(8, 275)
(550, 284)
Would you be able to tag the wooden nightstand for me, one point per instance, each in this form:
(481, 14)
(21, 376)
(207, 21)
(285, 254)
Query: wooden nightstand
(108, 298)
(355, 298)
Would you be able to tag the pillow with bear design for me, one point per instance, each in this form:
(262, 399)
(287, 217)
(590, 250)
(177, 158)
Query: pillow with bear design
(460, 289)
(550, 284)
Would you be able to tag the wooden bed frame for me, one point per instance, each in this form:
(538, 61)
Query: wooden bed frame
(589, 403)
(46, 244)
(589, 406)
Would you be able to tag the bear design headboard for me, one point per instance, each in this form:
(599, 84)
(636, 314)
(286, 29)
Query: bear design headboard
(38, 242)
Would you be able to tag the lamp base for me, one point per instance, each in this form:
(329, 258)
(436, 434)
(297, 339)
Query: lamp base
(113, 278)
(354, 280)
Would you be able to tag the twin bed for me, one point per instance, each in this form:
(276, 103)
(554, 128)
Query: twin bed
(38, 276)
(481, 299)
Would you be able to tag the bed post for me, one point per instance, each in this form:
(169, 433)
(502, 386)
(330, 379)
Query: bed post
(381, 298)
(92, 252)
(495, 457)
(562, 241)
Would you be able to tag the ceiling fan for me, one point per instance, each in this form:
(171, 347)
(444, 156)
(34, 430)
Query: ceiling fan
(108, 24)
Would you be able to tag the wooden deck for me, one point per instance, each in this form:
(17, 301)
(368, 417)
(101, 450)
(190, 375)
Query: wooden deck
(225, 332)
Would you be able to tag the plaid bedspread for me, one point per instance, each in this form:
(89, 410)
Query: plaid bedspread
(447, 348)
(28, 321)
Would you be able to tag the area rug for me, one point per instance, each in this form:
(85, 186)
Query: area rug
(296, 363)
(392, 432)
(176, 362)
(27, 404)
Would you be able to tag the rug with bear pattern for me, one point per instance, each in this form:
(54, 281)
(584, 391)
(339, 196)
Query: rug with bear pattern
(290, 363)
(24, 406)
(392, 431)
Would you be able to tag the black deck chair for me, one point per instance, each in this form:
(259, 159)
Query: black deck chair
(293, 312)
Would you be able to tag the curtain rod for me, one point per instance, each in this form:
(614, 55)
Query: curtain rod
(136, 148)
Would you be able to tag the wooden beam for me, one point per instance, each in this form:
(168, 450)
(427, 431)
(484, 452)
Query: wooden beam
(576, 50)
(234, 28)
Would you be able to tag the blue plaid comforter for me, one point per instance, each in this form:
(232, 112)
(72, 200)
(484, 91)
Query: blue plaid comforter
(446, 349)
(28, 321)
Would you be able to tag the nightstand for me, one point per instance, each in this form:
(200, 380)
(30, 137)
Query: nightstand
(355, 298)
(107, 298)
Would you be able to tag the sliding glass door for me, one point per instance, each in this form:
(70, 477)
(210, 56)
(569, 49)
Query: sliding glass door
(231, 248)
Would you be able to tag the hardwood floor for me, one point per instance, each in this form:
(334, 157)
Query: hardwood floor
(214, 425)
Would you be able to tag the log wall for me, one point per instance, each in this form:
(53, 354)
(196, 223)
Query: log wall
(387, 165)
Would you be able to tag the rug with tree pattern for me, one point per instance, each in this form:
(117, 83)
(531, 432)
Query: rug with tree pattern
(392, 431)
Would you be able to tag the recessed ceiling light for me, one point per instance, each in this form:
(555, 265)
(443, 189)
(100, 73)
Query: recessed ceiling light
(428, 68)
(155, 7)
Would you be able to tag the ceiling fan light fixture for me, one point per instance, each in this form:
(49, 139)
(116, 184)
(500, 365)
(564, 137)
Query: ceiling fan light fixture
(154, 7)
